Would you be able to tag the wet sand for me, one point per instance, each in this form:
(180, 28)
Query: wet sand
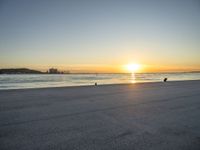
(146, 116)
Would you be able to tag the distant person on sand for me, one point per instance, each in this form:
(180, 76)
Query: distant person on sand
(165, 80)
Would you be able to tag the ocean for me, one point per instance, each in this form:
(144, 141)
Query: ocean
(19, 81)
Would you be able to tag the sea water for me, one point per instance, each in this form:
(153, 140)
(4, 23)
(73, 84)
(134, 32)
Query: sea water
(21, 81)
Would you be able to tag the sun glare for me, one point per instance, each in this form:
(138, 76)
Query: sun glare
(133, 67)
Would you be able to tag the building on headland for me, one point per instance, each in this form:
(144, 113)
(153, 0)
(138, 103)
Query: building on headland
(53, 71)
(56, 71)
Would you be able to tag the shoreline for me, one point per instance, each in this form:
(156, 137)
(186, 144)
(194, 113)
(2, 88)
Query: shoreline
(99, 85)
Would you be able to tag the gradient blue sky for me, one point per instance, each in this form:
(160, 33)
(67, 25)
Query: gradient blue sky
(103, 35)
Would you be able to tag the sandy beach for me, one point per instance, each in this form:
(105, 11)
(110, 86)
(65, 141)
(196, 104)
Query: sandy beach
(145, 116)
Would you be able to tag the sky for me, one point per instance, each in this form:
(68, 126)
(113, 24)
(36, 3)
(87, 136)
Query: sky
(100, 36)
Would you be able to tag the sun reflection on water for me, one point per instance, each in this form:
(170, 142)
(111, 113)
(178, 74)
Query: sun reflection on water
(133, 78)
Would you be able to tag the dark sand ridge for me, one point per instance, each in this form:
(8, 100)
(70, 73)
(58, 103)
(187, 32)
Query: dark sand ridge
(146, 116)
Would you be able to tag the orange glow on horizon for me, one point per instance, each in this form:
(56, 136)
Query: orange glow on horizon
(114, 68)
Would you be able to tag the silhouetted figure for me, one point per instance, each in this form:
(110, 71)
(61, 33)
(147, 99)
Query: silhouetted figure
(95, 84)
(165, 80)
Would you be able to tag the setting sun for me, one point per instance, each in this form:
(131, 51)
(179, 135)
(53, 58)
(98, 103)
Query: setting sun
(133, 67)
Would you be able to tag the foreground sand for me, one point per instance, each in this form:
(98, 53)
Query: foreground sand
(150, 116)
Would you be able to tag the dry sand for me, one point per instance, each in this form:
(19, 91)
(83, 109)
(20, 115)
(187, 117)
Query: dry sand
(148, 116)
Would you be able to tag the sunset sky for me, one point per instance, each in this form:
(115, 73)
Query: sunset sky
(100, 36)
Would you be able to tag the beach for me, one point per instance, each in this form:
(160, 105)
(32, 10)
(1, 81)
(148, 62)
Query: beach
(141, 116)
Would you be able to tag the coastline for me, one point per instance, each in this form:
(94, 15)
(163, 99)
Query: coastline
(99, 85)
(121, 116)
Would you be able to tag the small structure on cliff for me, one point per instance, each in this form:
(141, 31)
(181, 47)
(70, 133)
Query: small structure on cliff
(53, 71)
